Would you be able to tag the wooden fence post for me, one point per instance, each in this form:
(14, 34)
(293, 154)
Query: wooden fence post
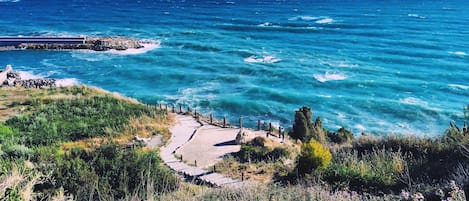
(240, 122)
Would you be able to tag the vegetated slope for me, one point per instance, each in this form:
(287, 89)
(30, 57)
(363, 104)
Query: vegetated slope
(77, 140)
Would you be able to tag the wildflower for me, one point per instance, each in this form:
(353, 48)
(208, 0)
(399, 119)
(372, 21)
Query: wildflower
(405, 195)
(418, 197)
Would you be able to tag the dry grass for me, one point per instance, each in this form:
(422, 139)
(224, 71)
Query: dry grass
(263, 192)
(261, 172)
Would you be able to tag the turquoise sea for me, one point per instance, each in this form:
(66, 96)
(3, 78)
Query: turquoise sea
(381, 67)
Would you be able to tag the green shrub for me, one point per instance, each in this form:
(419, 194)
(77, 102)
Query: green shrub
(257, 141)
(379, 169)
(118, 172)
(277, 153)
(302, 125)
(314, 156)
(251, 153)
(75, 119)
(342, 136)
(304, 129)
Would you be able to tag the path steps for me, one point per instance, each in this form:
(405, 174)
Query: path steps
(182, 132)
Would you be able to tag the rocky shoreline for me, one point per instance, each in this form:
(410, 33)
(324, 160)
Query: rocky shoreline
(10, 78)
(89, 43)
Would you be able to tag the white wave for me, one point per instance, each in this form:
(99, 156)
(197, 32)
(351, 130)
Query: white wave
(360, 127)
(146, 48)
(341, 115)
(90, 55)
(265, 59)
(67, 82)
(27, 75)
(267, 24)
(329, 77)
(415, 16)
(325, 21)
(342, 64)
(460, 53)
(324, 96)
(13, 1)
(459, 86)
(303, 18)
(413, 101)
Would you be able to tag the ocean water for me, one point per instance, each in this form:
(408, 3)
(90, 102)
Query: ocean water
(380, 67)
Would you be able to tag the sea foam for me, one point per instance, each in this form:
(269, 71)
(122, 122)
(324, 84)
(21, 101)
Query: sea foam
(265, 59)
(458, 86)
(413, 101)
(146, 48)
(303, 18)
(459, 53)
(325, 21)
(415, 16)
(329, 77)
(27, 75)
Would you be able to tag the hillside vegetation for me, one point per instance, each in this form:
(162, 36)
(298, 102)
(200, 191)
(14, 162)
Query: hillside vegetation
(77, 142)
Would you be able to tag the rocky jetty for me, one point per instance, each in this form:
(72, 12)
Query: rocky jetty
(85, 43)
(11, 78)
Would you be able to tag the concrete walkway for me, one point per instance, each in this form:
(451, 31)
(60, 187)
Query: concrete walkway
(183, 132)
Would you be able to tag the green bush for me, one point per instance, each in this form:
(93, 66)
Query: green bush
(251, 153)
(379, 169)
(75, 119)
(342, 136)
(304, 129)
(303, 124)
(118, 172)
(314, 156)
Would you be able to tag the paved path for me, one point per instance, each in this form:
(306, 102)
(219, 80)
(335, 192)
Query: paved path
(183, 132)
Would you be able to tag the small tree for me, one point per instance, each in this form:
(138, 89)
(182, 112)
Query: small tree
(302, 127)
(314, 156)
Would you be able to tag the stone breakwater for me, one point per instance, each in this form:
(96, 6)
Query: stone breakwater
(11, 78)
(55, 43)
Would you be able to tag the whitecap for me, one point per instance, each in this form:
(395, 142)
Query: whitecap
(303, 18)
(265, 59)
(28, 75)
(92, 56)
(146, 48)
(267, 24)
(458, 86)
(339, 63)
(360, 127)
(460, 53)
(415, 16)
(67, 82)
(324, 96)
(12, 1)
(412, 101)
(329, 77)
(325, 21)
(341, 116)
